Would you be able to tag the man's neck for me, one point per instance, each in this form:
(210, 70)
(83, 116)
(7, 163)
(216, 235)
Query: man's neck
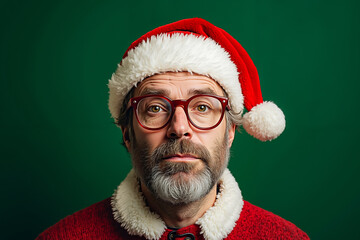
(179, 215)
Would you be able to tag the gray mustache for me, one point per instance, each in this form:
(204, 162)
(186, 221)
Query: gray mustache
(185, 146)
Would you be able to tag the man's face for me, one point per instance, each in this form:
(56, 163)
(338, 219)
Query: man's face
(179, 163)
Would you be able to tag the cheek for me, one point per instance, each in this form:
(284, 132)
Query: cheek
(211, 139)
(149, 138)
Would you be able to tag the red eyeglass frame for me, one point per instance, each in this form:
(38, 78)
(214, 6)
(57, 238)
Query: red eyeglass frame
(133, 102)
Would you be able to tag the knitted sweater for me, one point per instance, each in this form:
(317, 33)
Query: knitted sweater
(230, 219)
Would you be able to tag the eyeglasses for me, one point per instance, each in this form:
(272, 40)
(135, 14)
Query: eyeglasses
(203, 111)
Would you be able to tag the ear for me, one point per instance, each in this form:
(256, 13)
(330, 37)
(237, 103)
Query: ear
(231, 134)
(126, 137)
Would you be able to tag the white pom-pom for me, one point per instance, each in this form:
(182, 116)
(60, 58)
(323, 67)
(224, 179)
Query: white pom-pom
(265, 121)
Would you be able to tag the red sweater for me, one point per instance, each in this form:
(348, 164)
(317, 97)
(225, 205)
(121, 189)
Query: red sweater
(97, 222)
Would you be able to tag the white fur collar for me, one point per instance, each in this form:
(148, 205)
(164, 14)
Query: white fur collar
(131, 212)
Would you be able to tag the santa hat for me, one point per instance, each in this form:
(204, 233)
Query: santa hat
(195, 45)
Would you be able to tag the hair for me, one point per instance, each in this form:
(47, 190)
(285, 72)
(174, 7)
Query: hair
(126, 114)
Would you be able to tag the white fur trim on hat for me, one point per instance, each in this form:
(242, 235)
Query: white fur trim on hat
(175, 53)
(130, 210)
(265, 121)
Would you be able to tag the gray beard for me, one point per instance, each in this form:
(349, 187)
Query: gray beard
(180, 182)
(180, 189)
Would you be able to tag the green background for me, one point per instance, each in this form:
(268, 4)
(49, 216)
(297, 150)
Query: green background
(60, 151)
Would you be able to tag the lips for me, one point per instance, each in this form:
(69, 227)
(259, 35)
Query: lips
(180, 157)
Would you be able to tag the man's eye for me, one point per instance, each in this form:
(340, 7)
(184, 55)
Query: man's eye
(202, 108)
(154, 109)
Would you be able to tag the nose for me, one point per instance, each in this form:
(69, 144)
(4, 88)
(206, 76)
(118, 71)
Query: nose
(179, 126)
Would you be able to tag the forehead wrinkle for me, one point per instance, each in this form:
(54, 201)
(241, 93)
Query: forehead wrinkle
(168, 84)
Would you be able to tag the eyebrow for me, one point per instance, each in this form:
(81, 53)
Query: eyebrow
(194, 91)
(165, 92)
(151, 91)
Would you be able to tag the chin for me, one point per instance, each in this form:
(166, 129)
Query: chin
(183, 177)
(182, 169)
(181, 187)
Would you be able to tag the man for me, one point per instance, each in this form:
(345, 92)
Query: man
(178, 96)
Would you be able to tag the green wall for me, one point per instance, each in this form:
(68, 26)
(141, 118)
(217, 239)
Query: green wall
(60, 151)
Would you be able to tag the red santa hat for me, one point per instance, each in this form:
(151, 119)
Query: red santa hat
(195, 45)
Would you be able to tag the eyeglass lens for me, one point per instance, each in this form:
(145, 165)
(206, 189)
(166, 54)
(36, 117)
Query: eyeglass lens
(203, 111)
